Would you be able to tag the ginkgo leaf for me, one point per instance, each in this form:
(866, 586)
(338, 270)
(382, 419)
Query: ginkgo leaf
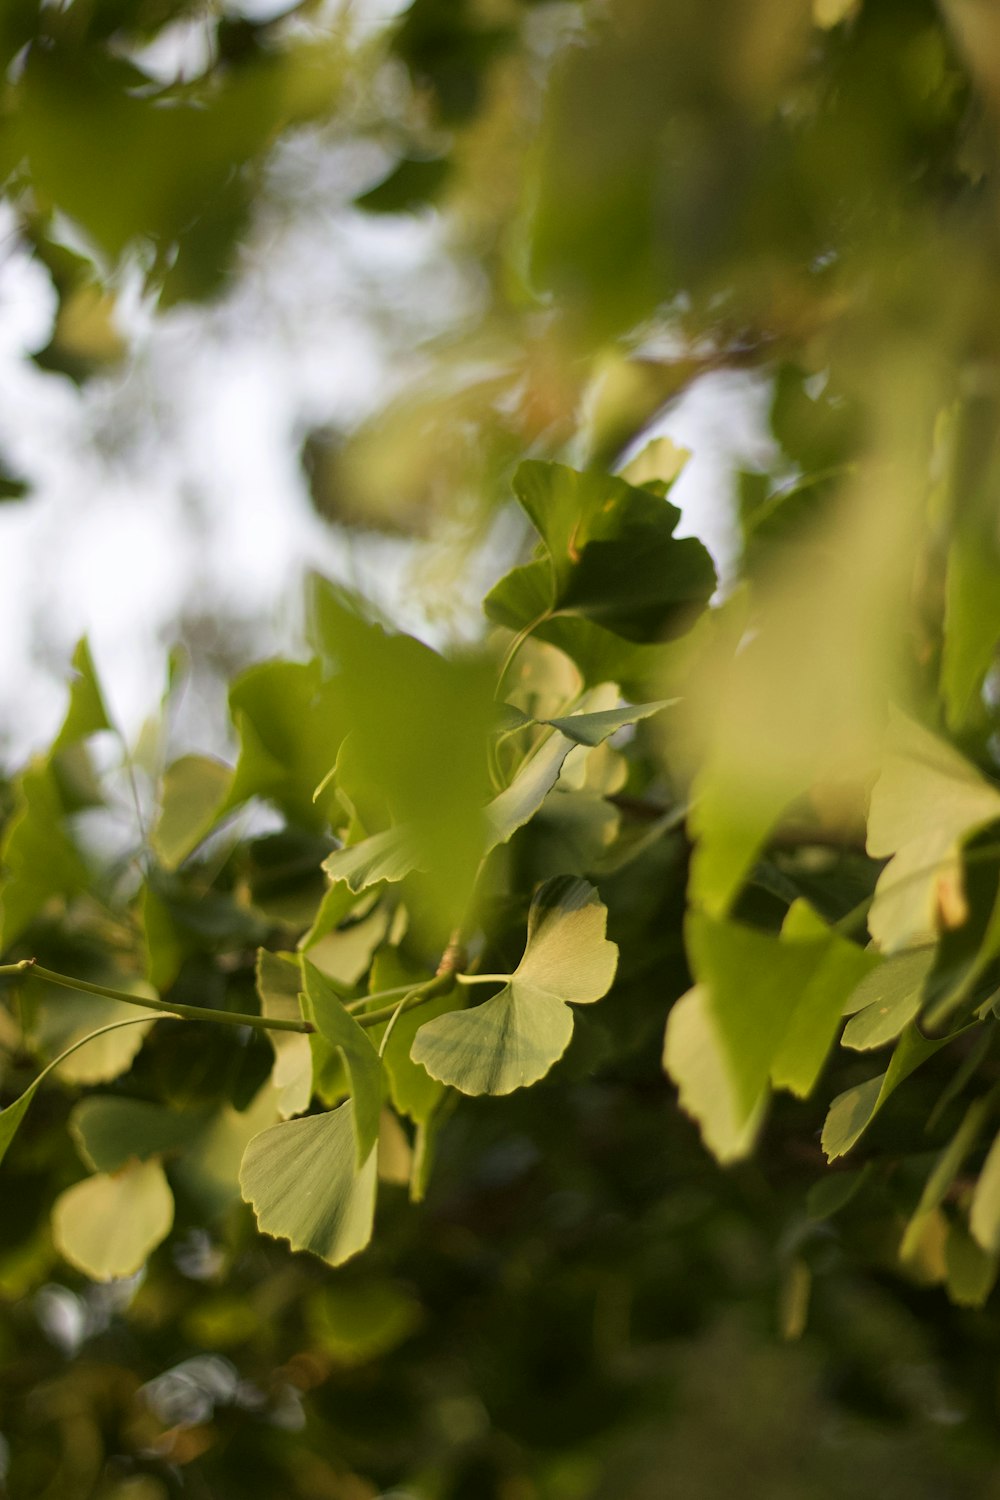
(609, 556)
(944, 1171)
(207, 1172)
(588, 728)
(776, 1000)
(390, 855)
(107, 1226)
(924, 803)
(984, 1214)
(11, 1117)
(279, 981)
(971, 1270)
(852, 1112)
(887, 1000)
(193, 792)
(303, 1182)
(513, 1039)
(110, 1131)
(338, 1027)
(393, 854)
(695, 1060)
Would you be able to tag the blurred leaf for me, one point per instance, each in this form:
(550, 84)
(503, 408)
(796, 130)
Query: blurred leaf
(852, 1112)
(413, 183)
(609, 556)
(695, 1059)
(926, 800)
(108, 1226)
(776, 1001)
(972, 1271)
(984, 1213)
(290, 723)
(110, 1132)
(13, 1114)
(194, 789)
(362, 1321)
(887, 1000)
(945, 1170)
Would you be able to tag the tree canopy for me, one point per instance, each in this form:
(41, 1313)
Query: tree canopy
(463, 1059)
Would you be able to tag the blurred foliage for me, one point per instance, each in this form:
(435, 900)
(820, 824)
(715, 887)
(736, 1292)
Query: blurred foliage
(763, 818)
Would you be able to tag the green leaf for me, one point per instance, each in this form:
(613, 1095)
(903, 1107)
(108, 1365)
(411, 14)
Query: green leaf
(290, 722)
(887, 1000)
(833, 1192)
(61, 1017)
(13, 1114)
(108, 1226)
(412, 1090)
(925, 801)
(339, 1028)
(776, 1001)
(610, 556)
(971, 622)
(971, 1270)
(419, 727)
(389, 856)
(109, 1131)
(586, 728)
(984, 1214)
(302, 1179)
(279, 980)
(944, 1172)
(86, 713)
(41, 859)
(852, 1112)
(394, 854)
(194, 790)
(694, 1058)
(513, 1039)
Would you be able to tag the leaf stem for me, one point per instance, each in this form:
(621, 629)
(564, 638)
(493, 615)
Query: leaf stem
(164, 1007)
(439, 985)
(483, 978)
(517, 643)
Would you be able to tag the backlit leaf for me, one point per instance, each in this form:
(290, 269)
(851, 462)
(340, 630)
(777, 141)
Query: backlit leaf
(304, 1184)
(107, 1226)
(514, 1038)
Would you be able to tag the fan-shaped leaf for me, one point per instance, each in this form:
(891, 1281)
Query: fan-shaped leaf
(302, 1180)
(107, 1226)
(514, 1038)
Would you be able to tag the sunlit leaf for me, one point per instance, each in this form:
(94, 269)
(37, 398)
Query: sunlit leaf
(302, 1178)
(194, 788)
(514, 1038)
(926, 800)
(696, 1061)
(107, 1226)
(338, 1027)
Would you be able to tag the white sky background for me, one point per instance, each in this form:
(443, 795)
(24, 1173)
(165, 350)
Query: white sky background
(176, 484)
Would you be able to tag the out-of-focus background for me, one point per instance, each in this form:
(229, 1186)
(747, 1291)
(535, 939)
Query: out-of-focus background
(290, 287)
(169, 499)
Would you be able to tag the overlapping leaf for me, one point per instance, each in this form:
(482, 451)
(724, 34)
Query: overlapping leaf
(514, 1038)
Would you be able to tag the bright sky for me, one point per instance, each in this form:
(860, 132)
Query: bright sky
(175, 485)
